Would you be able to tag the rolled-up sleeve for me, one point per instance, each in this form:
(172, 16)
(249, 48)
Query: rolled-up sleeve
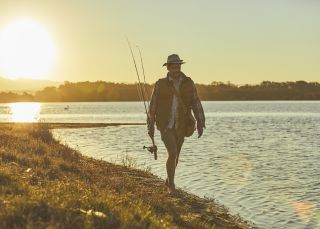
(197, 108)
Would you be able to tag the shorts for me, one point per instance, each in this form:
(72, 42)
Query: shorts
(172, 139)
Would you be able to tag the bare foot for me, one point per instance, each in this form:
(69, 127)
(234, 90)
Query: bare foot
(171, 189)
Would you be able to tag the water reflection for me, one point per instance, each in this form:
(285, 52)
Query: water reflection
(24, 112)
(305, 210)
(241, 165)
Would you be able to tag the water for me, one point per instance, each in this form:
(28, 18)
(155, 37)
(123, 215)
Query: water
(259, 159)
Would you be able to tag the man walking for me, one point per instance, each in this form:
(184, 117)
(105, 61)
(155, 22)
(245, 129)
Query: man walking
(167, 111)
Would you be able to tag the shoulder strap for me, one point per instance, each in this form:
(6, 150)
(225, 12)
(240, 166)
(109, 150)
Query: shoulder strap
(179, 98)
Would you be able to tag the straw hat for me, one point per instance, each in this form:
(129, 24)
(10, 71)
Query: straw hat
(173, 59)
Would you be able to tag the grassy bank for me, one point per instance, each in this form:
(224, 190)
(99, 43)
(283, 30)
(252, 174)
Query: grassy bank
(57, 125)
(46, 184)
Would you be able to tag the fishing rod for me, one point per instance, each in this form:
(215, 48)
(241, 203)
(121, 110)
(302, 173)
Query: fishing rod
(140, 92)
(144, 77)
(142, 96)
(153, 147)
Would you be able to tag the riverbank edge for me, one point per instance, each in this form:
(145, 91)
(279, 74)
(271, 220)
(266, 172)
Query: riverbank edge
(45, 183)
(67, 125)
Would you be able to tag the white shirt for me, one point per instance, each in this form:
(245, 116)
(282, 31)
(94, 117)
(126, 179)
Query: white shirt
(173, 114)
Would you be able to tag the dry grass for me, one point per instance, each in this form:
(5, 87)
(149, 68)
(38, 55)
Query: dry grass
(46, 184)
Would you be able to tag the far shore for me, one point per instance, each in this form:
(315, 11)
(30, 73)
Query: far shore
(134, 101)
(215, 91)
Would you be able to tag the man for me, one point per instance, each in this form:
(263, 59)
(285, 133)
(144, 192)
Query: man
(168, 114)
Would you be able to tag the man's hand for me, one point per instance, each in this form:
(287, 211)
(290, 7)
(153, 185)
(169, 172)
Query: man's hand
(200, 131)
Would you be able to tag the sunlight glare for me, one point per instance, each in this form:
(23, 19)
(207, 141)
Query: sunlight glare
(25, 112)
(26, 50)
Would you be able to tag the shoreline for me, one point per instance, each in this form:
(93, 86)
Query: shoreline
(64, 125)
(49, 184)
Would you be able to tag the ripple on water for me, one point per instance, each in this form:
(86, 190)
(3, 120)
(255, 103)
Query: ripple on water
(264, 167)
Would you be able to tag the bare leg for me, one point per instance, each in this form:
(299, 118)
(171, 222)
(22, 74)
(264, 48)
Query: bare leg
(178, 153)
(177, 158)
(176, 163)
(171, 167)
(173, 145)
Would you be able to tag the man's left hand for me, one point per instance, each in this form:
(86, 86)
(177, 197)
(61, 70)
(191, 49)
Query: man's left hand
(200, 131)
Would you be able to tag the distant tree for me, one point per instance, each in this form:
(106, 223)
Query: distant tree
(108, 91)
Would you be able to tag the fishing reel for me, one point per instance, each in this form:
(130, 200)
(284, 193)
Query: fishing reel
(152, 149)
(143, 96)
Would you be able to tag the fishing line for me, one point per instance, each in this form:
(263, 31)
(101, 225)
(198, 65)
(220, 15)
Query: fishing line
(140, 91)
(144, 78)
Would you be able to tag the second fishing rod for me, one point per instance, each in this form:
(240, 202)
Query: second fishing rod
(143, 96)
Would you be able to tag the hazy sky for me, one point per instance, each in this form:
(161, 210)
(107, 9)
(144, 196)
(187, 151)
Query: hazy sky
(245, 41)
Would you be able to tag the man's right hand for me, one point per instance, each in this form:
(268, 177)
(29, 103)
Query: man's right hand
(200, 131)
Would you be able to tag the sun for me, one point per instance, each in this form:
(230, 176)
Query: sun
(27, 50)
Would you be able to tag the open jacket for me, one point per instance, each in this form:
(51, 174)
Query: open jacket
(161, 104)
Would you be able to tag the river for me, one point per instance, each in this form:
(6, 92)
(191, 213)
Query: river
(261, 159)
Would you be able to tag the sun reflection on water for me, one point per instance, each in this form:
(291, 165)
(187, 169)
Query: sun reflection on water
(25, 112)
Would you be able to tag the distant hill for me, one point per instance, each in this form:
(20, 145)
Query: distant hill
(25, 84)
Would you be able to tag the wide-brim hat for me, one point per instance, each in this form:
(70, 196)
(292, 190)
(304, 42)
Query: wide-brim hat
(173, 59)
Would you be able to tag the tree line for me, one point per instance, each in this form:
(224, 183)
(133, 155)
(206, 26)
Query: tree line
(108, 91)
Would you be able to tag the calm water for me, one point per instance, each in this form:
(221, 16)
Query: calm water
(259, 159)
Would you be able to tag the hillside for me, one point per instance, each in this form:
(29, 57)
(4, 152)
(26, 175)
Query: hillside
(24, 85)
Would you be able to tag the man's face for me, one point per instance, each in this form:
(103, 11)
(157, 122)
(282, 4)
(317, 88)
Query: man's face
(174, 68)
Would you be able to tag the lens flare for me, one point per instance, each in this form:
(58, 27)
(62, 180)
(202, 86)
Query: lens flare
(238, 170)
(304, 210)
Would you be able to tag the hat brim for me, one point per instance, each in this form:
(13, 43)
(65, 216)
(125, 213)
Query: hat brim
(165, 64)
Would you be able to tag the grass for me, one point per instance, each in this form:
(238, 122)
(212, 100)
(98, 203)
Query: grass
(44, 184)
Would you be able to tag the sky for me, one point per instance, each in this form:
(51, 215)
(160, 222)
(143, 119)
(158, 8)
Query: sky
(245, 41)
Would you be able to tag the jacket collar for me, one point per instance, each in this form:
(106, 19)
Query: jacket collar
(169, 79)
